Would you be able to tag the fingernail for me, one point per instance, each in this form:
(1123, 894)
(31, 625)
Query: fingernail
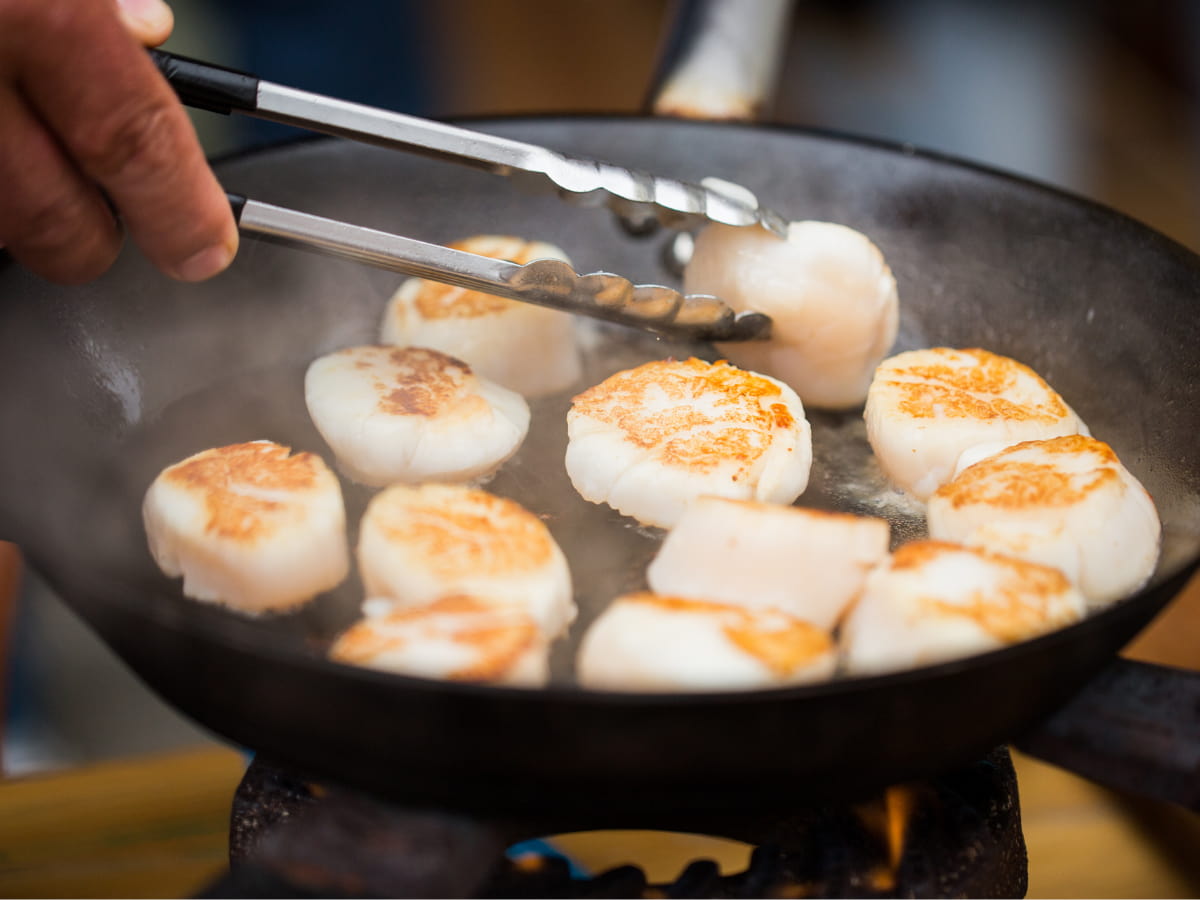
(148, 17)
(205, 264)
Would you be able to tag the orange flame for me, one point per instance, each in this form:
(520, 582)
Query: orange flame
(889, 818)
(899, 802)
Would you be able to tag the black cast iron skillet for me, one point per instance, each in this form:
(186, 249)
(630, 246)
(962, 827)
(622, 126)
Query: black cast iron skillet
(105, 384)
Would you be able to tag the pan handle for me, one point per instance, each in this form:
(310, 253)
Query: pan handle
(721, 59)
(1135, 727)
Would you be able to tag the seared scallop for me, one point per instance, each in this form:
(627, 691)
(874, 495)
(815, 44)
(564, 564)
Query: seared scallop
(830, 295)
(249, 526)
(928, 409)
(935, 601)
(417, 544)
(456, 638)
(529, 349)
(410, 414)
(806, 562)
(648, 441)
(1065, 502)
(652, 642)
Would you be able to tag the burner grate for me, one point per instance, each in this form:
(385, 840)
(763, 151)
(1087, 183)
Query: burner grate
(955, 835)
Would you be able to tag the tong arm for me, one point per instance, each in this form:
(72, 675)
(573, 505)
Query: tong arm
(633, 195)
(546, 282)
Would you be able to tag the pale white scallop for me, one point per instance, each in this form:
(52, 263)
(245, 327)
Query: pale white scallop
(410, 414)
(456, 638)
(1065, 502)
(831, 297)
(650, 440)
(529, 349)
(928, 409)
(805, 562)
(417, 544)
(935, 601)
(652, 642)
(249, 526)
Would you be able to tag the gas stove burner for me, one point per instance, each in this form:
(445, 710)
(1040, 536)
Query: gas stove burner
(958, 834)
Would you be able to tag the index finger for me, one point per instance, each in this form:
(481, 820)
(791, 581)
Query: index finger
(119, 121)
(150, 21)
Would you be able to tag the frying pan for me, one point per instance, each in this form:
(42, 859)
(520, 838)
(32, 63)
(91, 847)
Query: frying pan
(107, 383)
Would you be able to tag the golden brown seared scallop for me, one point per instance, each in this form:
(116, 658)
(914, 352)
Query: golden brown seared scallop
(526, 348)
(417, 544)
(930, 412)
(249, 526)
(457, 638)
(1066, 502)
(410, 414)
(649, 440)
(934, 601)
(806, 562)
(830, 295)
(652, 642)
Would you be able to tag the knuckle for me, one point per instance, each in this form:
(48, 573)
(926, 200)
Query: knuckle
(131, 142)
(56, 221)
(63, 239)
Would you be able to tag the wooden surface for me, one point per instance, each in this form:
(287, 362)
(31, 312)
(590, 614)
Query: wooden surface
(1086, 841)
(10, 581)
(143, 827)
(1173, 638)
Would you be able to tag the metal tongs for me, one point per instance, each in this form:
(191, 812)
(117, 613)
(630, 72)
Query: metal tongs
(636, 196)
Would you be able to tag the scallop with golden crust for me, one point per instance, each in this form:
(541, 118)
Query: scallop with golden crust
(457, 638)
(417, 544)
(650, 440)
(1066, 502)
(249, 526)
(411, 414)
(936, 601)
(654, 642)
(930, 411)
(526, 348)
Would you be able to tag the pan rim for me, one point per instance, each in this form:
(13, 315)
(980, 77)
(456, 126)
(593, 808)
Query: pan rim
(1144, 604)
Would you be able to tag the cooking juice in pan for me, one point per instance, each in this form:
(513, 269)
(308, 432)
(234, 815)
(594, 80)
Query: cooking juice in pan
(608, 553)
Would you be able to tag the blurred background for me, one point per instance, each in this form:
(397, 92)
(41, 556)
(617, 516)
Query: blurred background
(1099, 98)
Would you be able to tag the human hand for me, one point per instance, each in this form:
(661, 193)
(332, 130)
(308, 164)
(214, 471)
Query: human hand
(85, 115)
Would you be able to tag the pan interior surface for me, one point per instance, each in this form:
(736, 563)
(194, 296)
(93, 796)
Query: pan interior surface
(127, 375)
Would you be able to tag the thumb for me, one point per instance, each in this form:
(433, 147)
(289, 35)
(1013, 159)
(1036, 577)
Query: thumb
(150, 21)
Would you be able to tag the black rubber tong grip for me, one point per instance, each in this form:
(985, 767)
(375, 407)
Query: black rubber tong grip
(237, 203)
(205, 86)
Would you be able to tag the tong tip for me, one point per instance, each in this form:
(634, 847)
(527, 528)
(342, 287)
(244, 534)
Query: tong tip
(652, 307)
